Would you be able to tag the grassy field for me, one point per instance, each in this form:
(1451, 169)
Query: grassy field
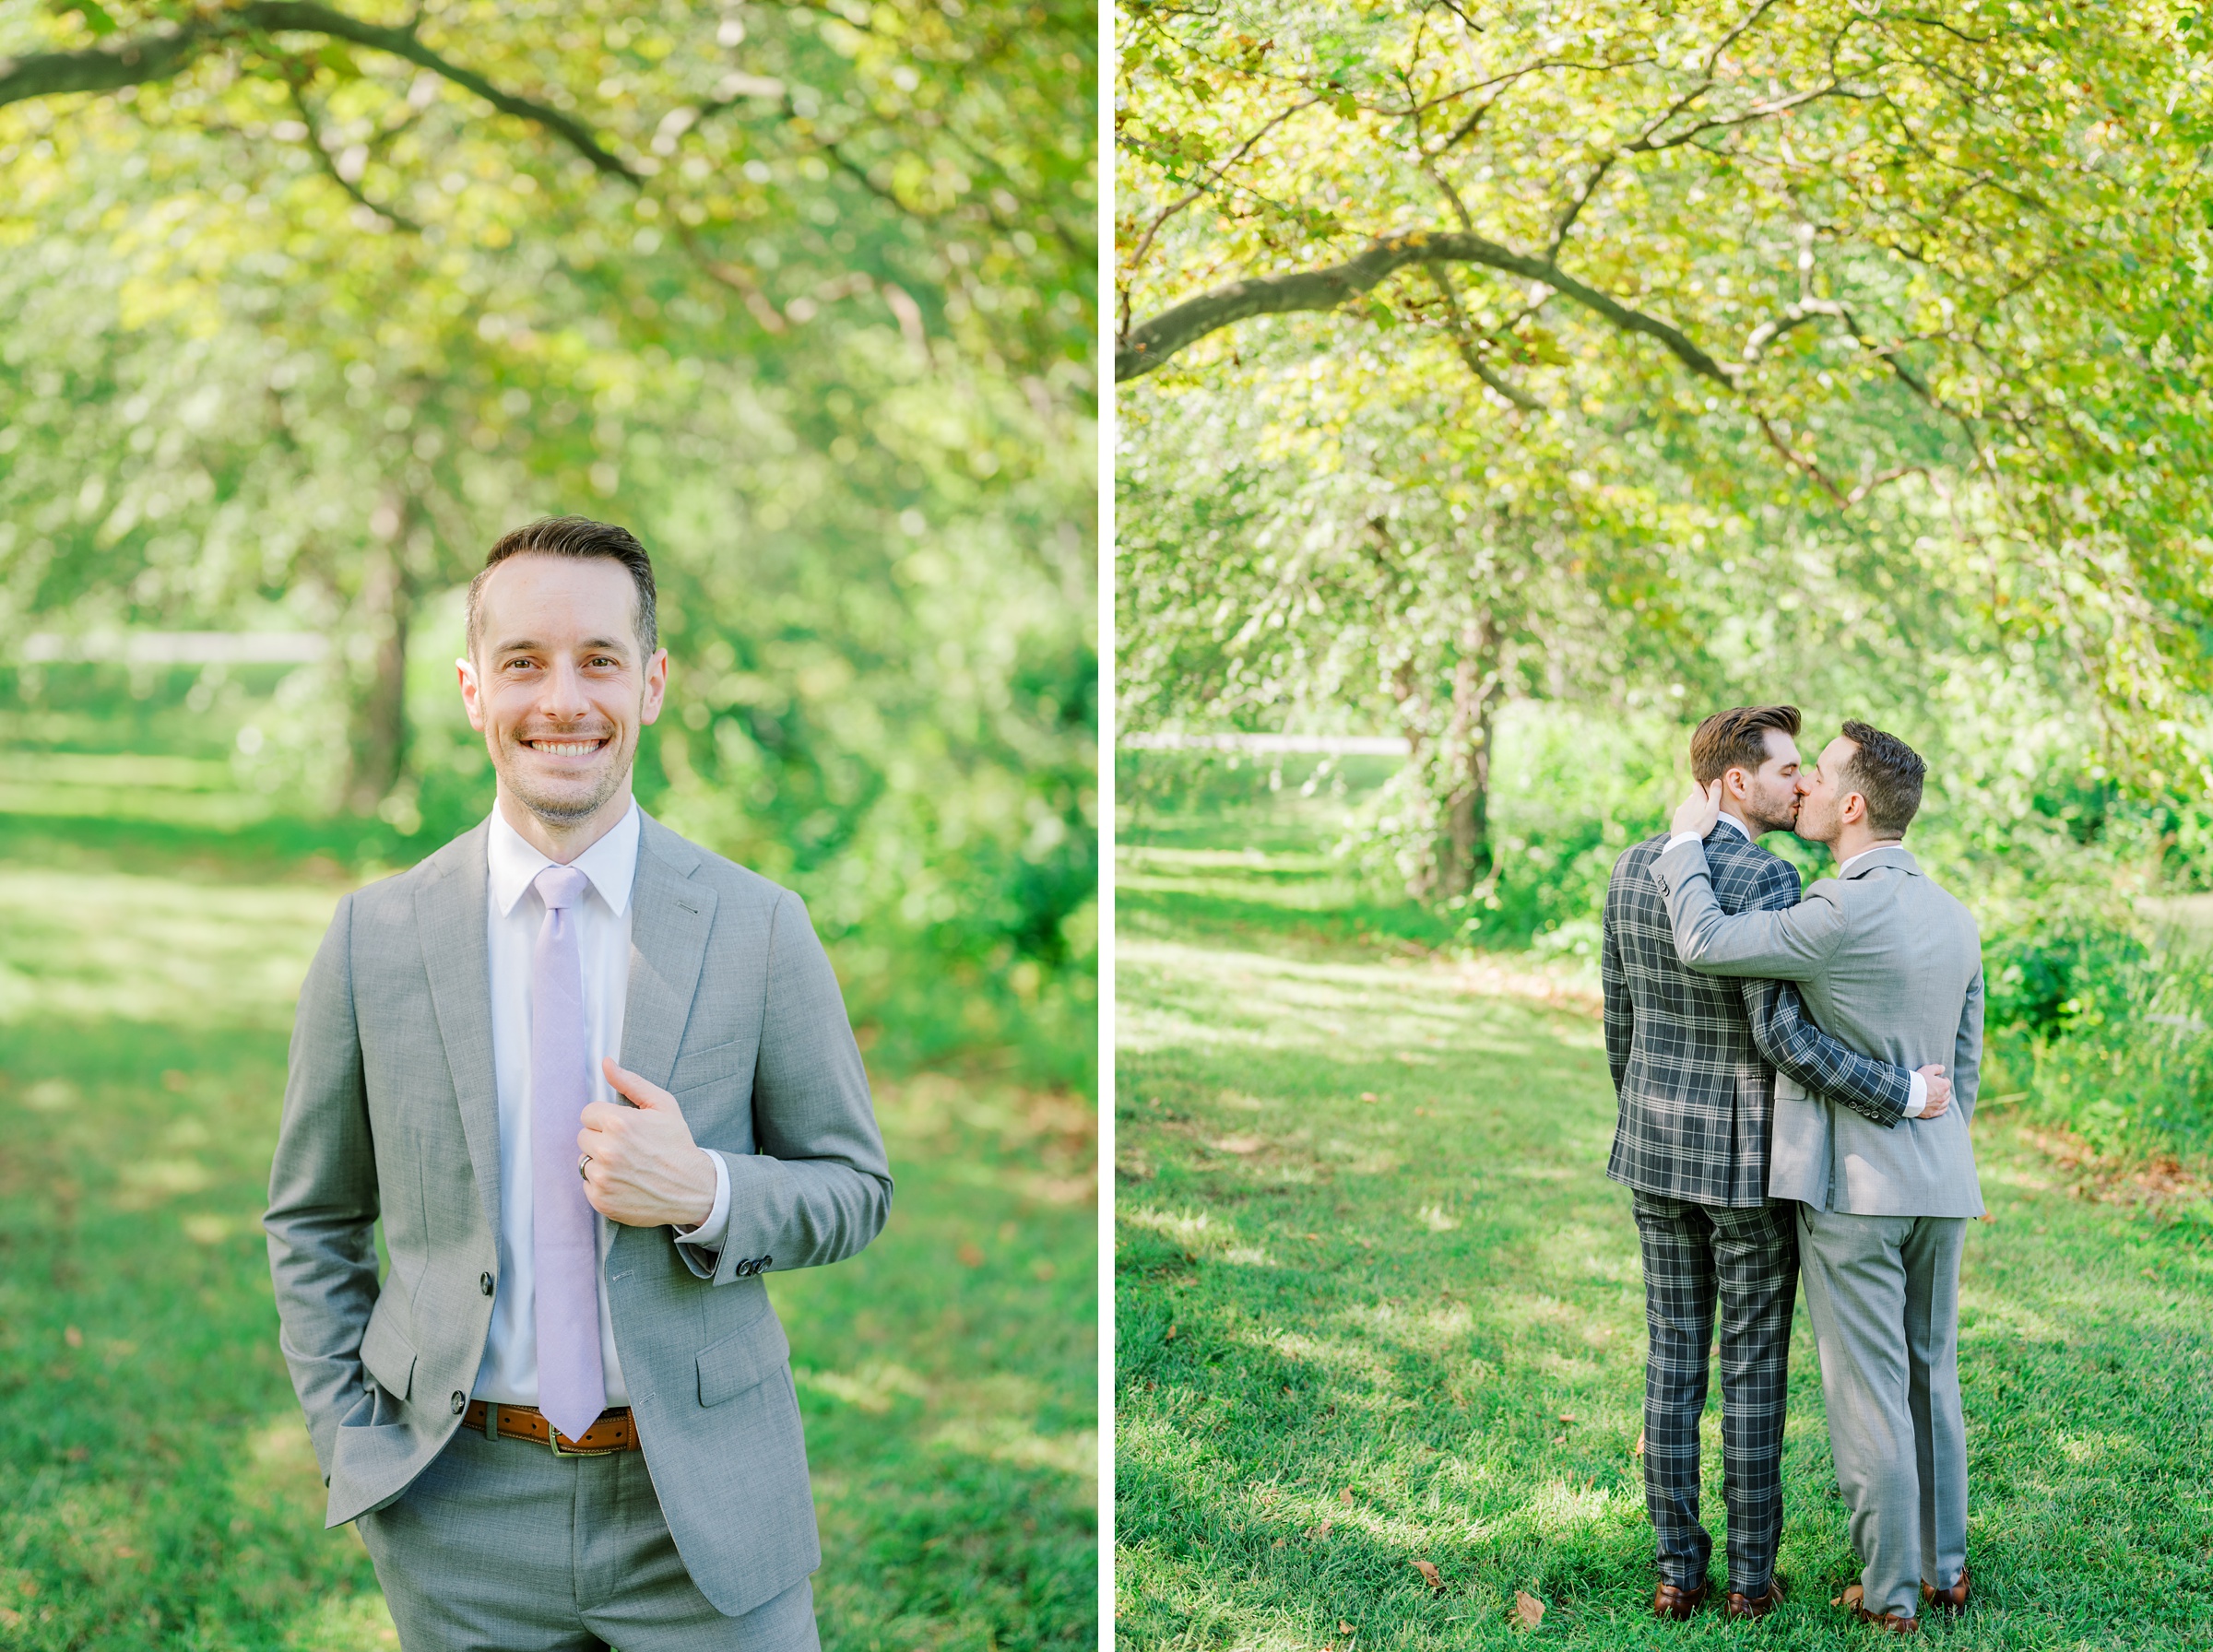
(156, 1488)
(1378, 1304)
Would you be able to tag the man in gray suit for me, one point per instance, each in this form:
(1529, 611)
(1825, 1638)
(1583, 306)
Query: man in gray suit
(595, 1081)
(1892, 966)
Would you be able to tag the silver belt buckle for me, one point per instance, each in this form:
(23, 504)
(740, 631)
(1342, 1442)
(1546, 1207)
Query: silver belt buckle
(553, 1439)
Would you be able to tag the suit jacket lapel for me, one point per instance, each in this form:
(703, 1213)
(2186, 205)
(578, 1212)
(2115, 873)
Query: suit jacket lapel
(669, 919)
(450, 915)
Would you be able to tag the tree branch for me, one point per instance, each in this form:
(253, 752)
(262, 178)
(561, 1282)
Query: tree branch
(103, 69)
(147, 58)
(1463, 339)
(330, 165)
(1154, 341)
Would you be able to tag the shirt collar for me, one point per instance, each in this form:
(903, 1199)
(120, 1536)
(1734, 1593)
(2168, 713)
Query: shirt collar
(610, 865)
(1743, 830)
(1845, 870)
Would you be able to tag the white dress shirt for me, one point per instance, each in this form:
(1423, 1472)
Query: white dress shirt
(1917, 1099)
(514, 915)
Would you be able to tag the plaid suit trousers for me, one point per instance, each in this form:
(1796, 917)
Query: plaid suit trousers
(1746, 1260)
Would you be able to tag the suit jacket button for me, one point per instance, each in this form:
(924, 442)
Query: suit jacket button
(767, 1261)
(460, 1402)
(484, 1283)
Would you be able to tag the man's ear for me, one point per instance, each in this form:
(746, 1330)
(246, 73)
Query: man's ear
(472, 694)
(1854, 809)
(1736, 783)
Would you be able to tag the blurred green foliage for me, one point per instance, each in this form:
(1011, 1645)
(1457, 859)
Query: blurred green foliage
(802, 294)
(2093, 900)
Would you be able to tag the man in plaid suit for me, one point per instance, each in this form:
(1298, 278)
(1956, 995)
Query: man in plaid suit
(1693, 1058)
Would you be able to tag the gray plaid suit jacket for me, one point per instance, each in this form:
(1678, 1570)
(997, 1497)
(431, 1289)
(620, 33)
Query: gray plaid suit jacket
(391, 1113)
(1692, 1053)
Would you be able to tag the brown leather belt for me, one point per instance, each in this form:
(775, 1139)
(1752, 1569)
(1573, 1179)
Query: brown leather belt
(613, 1432)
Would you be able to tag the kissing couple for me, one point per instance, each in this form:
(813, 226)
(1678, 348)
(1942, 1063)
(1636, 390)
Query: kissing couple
(1796, 1074)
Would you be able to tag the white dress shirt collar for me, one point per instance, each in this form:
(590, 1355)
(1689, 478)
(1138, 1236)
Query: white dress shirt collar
(1727, 819)
(1845, 870)
(610, 865)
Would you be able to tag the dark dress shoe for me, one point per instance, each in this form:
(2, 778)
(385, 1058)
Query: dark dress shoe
(1951, 1599)
(1676, 1603)
(1888, 1621)
(1741, 1605)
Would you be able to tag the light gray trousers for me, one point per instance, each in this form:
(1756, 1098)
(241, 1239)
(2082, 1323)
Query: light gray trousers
(500, 1546)
(1883, 1292)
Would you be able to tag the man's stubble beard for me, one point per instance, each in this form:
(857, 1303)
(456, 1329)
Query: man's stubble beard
(1766, 820)
(565, 811)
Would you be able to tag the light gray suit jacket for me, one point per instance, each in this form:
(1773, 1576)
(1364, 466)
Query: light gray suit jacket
(1891, 965)
(390, 1112)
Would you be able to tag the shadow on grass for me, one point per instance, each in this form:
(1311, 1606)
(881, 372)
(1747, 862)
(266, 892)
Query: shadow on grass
(157, 1487)
(1378, 1304)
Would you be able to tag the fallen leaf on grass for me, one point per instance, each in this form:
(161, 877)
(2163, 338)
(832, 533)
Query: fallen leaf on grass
(71, 1335)
(1430, 1575)
(1343, 1627)
(1171, 1336)
(1559, 1439)
(1529, 1611)
(1369, 1095)
(1853, 1595)
(1345, 1497)
(1637, 1449)
(1321, 1533)
(971, 1256)
(1279, 1542)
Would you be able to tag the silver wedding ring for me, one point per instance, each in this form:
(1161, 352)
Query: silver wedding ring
(581, 1163)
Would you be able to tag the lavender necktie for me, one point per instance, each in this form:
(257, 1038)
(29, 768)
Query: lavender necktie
(564, 1237)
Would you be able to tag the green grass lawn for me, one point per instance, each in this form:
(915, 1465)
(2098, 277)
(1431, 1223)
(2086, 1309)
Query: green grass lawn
(156, 1488)
(1377, 1303)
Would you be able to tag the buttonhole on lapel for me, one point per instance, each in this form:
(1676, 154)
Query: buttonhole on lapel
(690, 907)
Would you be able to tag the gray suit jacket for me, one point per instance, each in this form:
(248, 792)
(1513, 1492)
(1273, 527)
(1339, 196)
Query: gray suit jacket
(1891, 964)
(1690, 1054)
(390, 1112)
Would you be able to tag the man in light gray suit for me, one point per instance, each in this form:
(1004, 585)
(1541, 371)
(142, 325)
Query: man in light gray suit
(1892, 966)
(595, 1081)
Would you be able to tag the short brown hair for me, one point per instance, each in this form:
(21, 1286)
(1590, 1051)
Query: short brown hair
(1737, 738)
(582, 537)
(1887, 772)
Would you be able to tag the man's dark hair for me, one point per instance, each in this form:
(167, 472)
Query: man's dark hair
(582, 537)
(1887, 772)
(1737, 738)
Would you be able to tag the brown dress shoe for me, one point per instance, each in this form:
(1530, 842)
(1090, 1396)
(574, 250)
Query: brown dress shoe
(1669, 1601)
(1740, 1605)
(1888, 1621)
(1951, 1599)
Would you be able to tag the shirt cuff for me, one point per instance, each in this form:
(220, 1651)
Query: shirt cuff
(708, 1234)
(1919, 1098)
(1684, 837)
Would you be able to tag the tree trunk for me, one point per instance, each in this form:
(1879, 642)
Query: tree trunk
(384, 611)
(1453, 767)
(1464, 851)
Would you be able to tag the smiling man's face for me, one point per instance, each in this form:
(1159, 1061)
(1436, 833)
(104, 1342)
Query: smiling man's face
(559, 685)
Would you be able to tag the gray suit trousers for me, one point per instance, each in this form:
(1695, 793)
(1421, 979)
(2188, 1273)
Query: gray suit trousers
(1883, 1292)
(500, 1546)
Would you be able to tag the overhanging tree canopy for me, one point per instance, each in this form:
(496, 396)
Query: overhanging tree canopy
(303, 305)
(1798, 255)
